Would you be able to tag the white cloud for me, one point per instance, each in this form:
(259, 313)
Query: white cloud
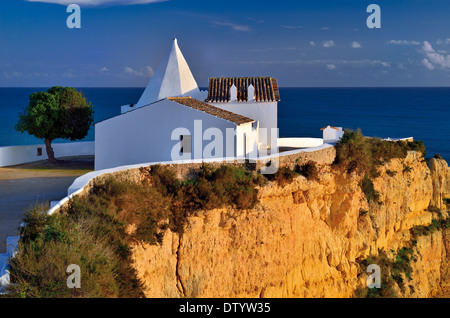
(440, 42)
(12, 74)
(104, 69)
(335, 62)
(403, 42)
(356, 45)
(235, 27)
(312, 43)
(331, 67)
(146, 72)
(267, 49)
(328, 44)
(97, 2)
(68, 74)
(433, 58)
(292, 26)
(427, 64)
(259, 21)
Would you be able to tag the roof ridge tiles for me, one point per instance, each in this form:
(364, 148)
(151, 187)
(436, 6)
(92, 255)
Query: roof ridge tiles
(212, 110)
(266, 89)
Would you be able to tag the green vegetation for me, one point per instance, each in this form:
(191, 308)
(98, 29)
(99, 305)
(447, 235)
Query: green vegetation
(437, 224)
(396, 269)
(96, 242)
(94, 231)
(369, 190)
(286, 175)
(402, 266)
(309, 170)
(363, 155)
(392, 272)
(60, 112)
(387, 281)
(355, 152)
(283, 176)
(438, 156)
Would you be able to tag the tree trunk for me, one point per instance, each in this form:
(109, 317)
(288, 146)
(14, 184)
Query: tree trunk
(49, 149)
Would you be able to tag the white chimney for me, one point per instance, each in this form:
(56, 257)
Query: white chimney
(251, 93)
(233, 93)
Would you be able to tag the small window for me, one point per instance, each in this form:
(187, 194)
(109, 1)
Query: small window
(39, 152)
(186, 144)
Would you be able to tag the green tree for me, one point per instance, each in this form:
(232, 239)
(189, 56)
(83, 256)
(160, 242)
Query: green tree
(60, 112)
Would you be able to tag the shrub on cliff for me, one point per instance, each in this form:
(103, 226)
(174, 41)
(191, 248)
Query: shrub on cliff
(309, 170)
(283, 176)
(393, 271)
(215, 188)
(387, 281)
(363, 155)
(355, 152)
(91, 239)
(367, 187)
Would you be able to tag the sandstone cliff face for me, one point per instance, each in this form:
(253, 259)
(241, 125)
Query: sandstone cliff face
(305, 239)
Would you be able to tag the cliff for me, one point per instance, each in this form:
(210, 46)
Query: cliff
(310, 238)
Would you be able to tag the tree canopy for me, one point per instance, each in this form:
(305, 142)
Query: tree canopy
(59, 112)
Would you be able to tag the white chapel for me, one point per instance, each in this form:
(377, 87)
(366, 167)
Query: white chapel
(175, 120)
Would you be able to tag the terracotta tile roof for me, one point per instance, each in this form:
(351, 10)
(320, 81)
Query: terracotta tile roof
(266, 89)
(335, 128)
(212, 110)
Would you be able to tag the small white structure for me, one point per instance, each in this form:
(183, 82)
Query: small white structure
(332, 134)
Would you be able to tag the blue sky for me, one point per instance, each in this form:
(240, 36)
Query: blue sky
(301, 43)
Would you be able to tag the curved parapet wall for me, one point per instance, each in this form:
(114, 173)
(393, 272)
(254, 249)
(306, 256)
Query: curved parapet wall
(323, 154)
(299, 142)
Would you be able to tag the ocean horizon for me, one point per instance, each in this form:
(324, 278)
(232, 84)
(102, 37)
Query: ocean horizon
(385, 112)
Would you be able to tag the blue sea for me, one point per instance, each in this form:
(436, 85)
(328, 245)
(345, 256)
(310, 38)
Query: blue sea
(422, 113)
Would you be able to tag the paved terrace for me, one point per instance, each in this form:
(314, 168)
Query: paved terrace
(23, 186)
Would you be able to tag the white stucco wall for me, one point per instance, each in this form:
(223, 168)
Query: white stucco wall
(332, 135)
(13, 155)
(264, 112)
(300, 142)
(145, 134)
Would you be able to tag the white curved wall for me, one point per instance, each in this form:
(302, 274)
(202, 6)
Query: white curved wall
(300, 142)
(14, 155)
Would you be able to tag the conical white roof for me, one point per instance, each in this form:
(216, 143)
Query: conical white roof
(173, 78)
